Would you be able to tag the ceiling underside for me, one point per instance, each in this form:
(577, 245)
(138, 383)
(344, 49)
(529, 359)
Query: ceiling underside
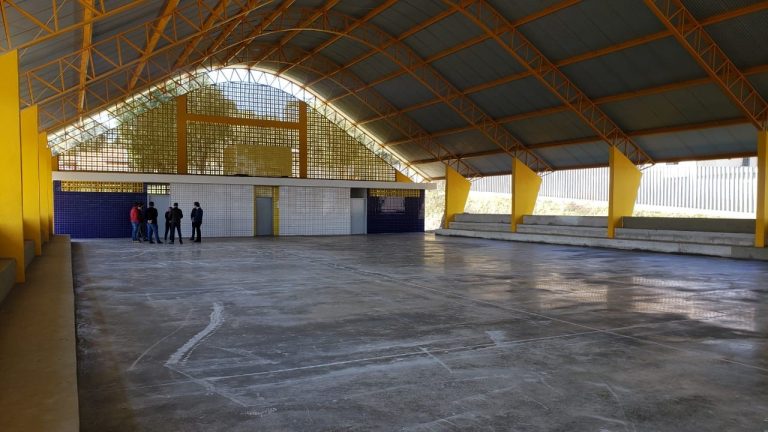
(429, 78)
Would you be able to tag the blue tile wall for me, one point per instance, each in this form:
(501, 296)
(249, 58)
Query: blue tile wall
(93, 214)
(395, 214)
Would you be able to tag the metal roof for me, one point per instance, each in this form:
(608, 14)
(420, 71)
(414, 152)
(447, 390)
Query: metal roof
(440, 63)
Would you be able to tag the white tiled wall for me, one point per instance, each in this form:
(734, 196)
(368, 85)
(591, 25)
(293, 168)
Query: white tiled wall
(314, 211)
(228, 209)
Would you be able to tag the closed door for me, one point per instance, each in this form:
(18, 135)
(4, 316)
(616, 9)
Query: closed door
(358, 214)
(264, 216)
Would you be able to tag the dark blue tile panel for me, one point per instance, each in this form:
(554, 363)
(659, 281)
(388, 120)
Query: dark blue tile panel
(391, 214)
(93, 214)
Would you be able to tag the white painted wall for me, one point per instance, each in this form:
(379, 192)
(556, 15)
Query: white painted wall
(228, 209)
(314, 211)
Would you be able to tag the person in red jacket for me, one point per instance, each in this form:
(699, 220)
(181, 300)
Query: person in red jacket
(135, 221)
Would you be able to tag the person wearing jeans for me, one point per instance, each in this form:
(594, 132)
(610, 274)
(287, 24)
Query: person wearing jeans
(135, 221)
(151, 217)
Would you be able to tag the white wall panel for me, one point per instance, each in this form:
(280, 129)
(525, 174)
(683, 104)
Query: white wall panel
(228, 209)
(314, 211)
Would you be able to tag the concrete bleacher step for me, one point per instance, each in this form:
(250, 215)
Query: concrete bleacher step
(482, 218)
(725, 251)
(7, 276)
(583, 221)
(477, 226)
(700, 237)
(562, 230)
(29, 252)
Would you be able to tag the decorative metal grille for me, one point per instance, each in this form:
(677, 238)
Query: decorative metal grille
(158, 189)
(143, 144)
(79, 186)
(402, 193)
(244, 100)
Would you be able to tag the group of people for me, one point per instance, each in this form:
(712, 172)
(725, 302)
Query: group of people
(144, 223)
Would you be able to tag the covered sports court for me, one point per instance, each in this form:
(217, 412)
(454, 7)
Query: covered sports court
(321, 138)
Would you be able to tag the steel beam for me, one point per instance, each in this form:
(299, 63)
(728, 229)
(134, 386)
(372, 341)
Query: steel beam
(157, 33)
(85, 57)
(692, 36)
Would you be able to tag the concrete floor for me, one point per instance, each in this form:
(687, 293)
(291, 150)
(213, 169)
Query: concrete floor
(416, 333)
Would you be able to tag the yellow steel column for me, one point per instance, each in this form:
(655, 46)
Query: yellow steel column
(456, 194)
(11, 215)
(525, 191)
(303, 140)
(402, 178)
(43, 159)
(622, 192)
(276, 211)
(181, 134)
(52, 165)
(30, 174)
(761, 219)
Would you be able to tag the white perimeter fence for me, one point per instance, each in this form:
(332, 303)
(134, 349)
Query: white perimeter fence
(713, 188)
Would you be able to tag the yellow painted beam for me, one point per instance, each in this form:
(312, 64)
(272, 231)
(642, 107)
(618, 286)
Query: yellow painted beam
(30, 177)
(402, 178)
(761, 219)
(456, 194)
(303, 140)
(622, 192)
(181, 134)
(43, 159)
(525, 190)
(11, 216)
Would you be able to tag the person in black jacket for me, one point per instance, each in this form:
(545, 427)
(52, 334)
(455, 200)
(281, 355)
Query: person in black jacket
(176, 217)
(151, 216)
(168, 223)
(197, 220)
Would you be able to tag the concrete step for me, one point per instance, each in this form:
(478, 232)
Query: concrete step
(577, 231)
(585, 221)
(7, 276)
(502, 227)
(686, 236)
(725, 251)
(29, 252)
(743, 226)
(482, 218)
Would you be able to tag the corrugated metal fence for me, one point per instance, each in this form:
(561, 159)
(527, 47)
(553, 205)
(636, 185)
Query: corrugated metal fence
(717, 188)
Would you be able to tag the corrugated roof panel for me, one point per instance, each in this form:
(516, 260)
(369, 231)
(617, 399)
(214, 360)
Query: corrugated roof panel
(587, 154)
(132, 18)
(706, 8)
(520, 96)
(404, 91)
(356, 8)
(744, 39)
(384, 132)
(451, 31)
(590, 25)
(437, 118)
(22, 30)
(404, 15)
(344, 50)
(704, 142)
(519, 9)
(481, 63)
(307, 40)
(470, 141)
(500, 163)
(411, 152)
(43, 53)
(327, 89)
(354, 108)
(553, 127)
(688, 105)
(659, 62)
(760, 82)
(374, 67)
(434, 170)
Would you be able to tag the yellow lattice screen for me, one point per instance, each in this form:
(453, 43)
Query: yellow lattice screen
(219, 143)
(145, 144)
(403, 193)
(80, 186)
